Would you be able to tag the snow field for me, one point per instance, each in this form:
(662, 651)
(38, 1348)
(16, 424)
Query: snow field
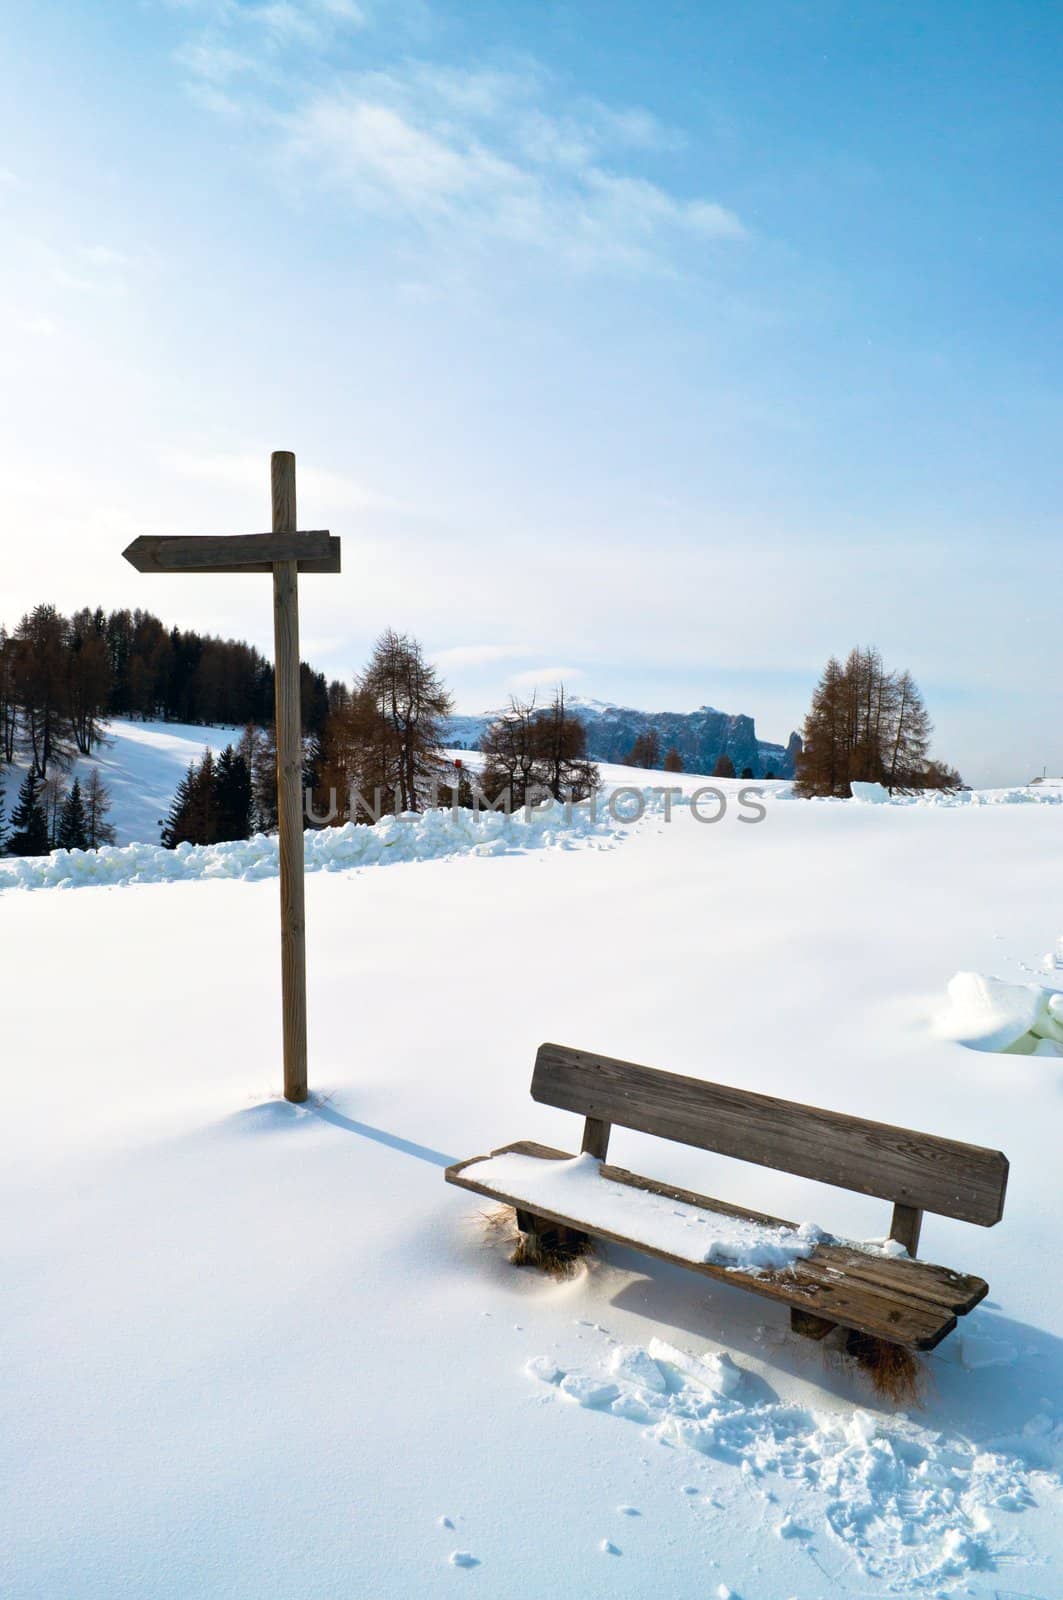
(254, 1351)
(913, 1507)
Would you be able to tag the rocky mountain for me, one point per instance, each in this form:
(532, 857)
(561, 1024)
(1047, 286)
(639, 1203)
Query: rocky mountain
(701, 736)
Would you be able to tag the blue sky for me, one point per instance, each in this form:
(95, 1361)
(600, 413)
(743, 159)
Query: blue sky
(668, 349)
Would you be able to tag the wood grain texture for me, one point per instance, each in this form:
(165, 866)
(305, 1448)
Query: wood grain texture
(289, 784)
(595, 1138)
(237, 552)
(904, 1303)
(906, 1225)
(918, 1170)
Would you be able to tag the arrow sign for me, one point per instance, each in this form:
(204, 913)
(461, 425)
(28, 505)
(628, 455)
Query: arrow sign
(316, 551)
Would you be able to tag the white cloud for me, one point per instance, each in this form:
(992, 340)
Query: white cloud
(479, 655)
(482, 153)
(447, 147)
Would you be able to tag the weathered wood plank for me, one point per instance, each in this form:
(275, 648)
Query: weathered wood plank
(596, 1138)
(239, 552)
(923, 1280)
(919, 1170)
(289, 780)
(906, 1226)
(885, 1312)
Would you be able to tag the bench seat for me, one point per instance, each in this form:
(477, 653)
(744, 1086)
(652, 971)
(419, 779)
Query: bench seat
(908, 1302)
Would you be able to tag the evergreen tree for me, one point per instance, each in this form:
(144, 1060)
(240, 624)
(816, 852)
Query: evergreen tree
(177, 829)
(746, 772)
(724, 768)
(233, 791)
(73, 833)
(29, 824)
(263, 751)
(97, 804)
(673, 761)
(53, 799)
(3, 820)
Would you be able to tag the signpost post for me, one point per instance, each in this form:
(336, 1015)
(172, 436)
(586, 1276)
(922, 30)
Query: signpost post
(285, 552)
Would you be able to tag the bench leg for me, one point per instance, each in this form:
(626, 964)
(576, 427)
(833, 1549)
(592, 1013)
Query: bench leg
(544, 1243)
(808, 1325)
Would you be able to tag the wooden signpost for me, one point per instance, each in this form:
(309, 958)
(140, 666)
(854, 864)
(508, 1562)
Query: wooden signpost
(284, 552)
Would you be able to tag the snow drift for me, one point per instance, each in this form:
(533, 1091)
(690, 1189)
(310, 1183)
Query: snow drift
(1013, 1018)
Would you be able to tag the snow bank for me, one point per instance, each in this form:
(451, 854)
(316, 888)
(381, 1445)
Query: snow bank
(1011, 1018)
(914, 1507)
(873, 793)
(577, 1189)
(424, 836)
(876, 794)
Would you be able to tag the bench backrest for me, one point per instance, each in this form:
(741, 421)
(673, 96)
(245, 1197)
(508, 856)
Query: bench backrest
(918, 1170)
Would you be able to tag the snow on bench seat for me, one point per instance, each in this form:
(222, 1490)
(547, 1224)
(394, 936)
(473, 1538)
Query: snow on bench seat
(914, 1303)
(576, 1189)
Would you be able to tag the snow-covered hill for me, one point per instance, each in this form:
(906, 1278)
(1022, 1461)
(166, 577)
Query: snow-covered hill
(257, 1352)
(141, 763)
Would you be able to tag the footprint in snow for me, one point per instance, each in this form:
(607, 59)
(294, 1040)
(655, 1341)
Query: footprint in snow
(463, 1558)
(629, 1511)
(608, 1548)
(444, 1522)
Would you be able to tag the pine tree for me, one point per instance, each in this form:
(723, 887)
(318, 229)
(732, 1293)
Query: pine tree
(97, 804)
(3, 820)
(73, 831)
(177, 827)
(233, 791)
(673, 761)
(53, 799)
(29, 824)
(263, 749)
(725, 767)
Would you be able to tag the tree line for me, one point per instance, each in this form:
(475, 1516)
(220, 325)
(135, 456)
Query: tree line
(380, 750)
(60, 677)
(49, 816)
(868, 725)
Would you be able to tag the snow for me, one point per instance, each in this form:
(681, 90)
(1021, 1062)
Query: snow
(141, 764)
(425, 836)
(255, 1351)
(576, 1189)
(989, 1014)
(870, 793)
(912, 1508)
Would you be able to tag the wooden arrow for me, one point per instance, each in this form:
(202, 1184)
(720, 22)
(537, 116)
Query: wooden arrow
(315, 551)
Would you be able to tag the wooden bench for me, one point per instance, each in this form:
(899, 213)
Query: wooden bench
(897, 1298)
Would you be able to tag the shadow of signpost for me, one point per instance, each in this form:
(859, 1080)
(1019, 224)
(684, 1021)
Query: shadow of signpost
(393, 1141)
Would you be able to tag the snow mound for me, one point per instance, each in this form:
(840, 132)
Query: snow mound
(912, 1506)
(423, 836)
(576, 1189)
(1011, 1018)
(871, 793)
